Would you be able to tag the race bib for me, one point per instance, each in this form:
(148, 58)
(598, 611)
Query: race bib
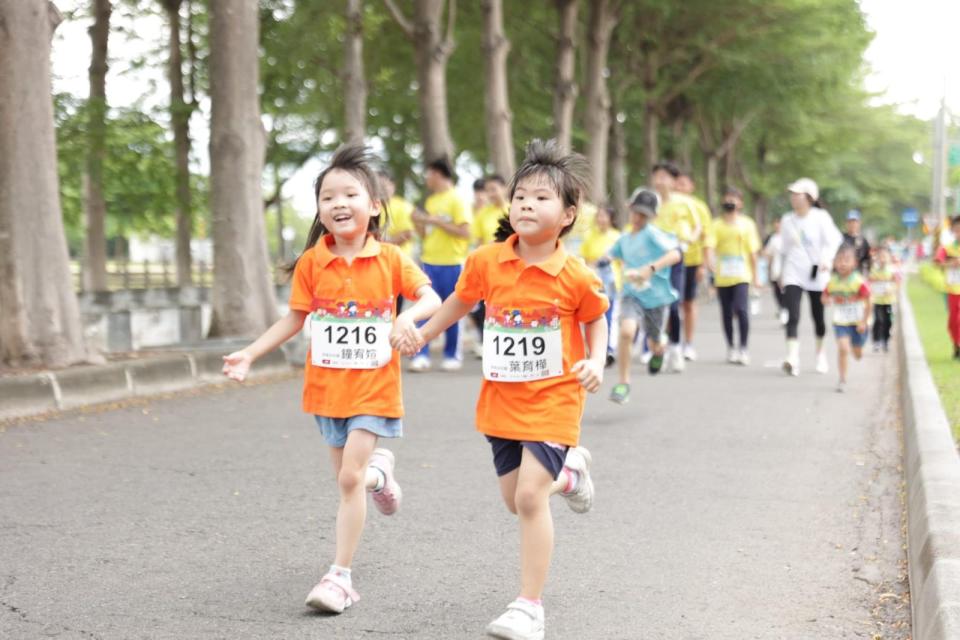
(351, 340)
(733, 267)
(521, 349)
(881, 288)
(848, 312)
(953, 276)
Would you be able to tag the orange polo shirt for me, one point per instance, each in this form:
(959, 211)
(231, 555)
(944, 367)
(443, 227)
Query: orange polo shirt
(562, 286)
(324, 281)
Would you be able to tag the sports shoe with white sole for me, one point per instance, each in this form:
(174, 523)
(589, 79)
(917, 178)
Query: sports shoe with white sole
(419, 364)
(677, 363)
(689, 353)
(332, 594)
(744, 357)
(451, 364)
(645, 357)
(387, 500)
(733, 356)
(521, 621)
(581, 498)
(822, 365)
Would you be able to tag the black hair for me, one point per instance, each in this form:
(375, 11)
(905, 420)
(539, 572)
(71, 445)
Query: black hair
(669, 167)
(479, 184)
(733, 191)
(443, 167)
(358, 161)
(567, 173)
(612, 213)
(384, 174)
(504, 229)
(686, 173)
(954, 220)
(497, 178)
(846, 247)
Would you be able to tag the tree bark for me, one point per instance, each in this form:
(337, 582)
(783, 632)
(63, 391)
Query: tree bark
(180, 119)
(244, 301)
(355, 87)
(432, 49)
(597, 116)
(618, 167)
(95, 205)
(565, 90)
(496, 47)
(39, 314)
(651, 115)
(711, 162)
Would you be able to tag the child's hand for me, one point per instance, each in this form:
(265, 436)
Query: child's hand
(638, 276)
(589, 374)
(236, 366)
(862, 326)
(405, 334)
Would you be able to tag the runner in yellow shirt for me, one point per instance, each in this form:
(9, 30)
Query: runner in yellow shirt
(695, 260)
(487, 217)
(597, 242)
(677, 216)
(445, 228)
(734, 270)
(400, 228)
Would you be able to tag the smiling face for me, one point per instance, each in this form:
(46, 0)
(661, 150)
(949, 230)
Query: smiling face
(537, 213)
(345, 205)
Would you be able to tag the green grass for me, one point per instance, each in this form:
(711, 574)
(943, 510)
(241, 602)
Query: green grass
(930, 311)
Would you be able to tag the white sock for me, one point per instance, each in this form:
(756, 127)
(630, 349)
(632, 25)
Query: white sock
(381, 478)
(573, 479)
(342, 572)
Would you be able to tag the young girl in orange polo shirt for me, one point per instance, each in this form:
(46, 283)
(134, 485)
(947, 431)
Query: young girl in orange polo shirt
(535, 364)
(347, 283)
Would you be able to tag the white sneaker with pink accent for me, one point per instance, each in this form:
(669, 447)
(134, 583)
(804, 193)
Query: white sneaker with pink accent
(522, 621)
(387, 499)
(333, 593)
(580, 499)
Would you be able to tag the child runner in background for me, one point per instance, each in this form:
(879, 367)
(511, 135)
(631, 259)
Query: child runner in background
(445, 229)
(597, 241)
(536, 366)
(735, 269)
(850, 296)
(347, 282)
(647, 253)
(948, 257)
(485, 223)
(884, 282)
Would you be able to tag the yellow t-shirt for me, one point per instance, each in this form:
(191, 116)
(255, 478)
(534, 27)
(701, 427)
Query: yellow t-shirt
(883, 285)
(400, 220)
(678, 216)
(585, 220)
(485, 222)
(736, 243)
(693, 256)
(440, 247)
(596, 244)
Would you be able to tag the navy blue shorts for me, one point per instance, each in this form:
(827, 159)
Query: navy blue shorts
(507, 454)
(857, 339)
(690, 283)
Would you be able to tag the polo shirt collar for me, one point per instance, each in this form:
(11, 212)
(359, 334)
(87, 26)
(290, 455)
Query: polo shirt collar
(371, 248)
(552, 265)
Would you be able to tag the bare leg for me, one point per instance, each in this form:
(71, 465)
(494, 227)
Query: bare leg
(532, 501)
(628, 329)
(350, 464)
(843, 351)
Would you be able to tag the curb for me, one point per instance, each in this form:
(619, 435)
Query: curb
(932, 472)
(47, 391)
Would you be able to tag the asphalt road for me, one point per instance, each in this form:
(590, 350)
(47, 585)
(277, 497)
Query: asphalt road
(731, 503)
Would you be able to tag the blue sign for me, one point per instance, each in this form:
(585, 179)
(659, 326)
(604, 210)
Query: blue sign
(910, 217)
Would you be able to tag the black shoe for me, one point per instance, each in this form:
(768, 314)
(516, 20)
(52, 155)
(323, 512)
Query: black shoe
(610, 360)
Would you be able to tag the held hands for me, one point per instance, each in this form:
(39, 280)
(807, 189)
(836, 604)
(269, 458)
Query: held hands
(589, 374)
(405, 337)
(236, 366)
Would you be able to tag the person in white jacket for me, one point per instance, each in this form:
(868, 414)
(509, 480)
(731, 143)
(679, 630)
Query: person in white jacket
(810, 240)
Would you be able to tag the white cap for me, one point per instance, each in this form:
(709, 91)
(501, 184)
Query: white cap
(807, 186)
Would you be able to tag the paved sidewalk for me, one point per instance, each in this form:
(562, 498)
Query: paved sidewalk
(732, 503)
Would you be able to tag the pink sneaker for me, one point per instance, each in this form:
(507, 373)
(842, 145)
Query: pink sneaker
(333, 594)
(388, 498)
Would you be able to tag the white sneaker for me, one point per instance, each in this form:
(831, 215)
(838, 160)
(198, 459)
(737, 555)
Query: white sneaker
(645, 357)
(744, 357)
(419, 364)
(791, 364)
(522, 621)
(822, 365)
(478, 350)
(733, 356)
(689, 353)
(679, 364)
(451, 364)
(581, 498)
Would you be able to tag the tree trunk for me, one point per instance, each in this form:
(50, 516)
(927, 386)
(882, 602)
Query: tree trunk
(95, 206)
(355, 87)
(618, 167)
(711, 162)
(597, 116)
(244, 302)
(651, 132)
(565, 90)
(180, 119)
(39, 314)
(496, 47)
